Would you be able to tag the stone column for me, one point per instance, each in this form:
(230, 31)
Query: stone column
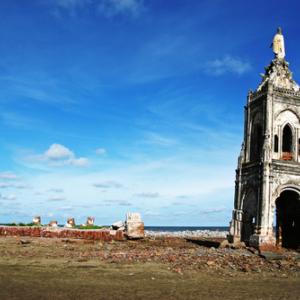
(264, 234)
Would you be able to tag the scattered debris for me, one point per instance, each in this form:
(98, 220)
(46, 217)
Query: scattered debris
(177, 254)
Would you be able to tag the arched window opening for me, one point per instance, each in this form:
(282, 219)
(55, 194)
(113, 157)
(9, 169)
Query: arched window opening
(276, 143)
(256, 142)
(287, 143)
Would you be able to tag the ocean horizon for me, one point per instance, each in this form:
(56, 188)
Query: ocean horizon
(186, 228)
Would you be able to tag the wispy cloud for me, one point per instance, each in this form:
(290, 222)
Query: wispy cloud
(214, 210)
(15, 119)
(147, 195)
(227, 64)
(56, 199)
(37, 86)
(66, 208)
(158, 139)
(100, 151)
(111, 8)
(56, 190)
(108, 8)
(8, 176)
(108, 185)
(124, 203)
(10, 197)
(70, 4)
(4, 185)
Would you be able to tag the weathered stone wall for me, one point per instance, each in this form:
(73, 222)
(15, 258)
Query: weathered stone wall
(96, 234)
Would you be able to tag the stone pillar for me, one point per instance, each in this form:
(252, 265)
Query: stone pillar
(235, 228)
(264, 233)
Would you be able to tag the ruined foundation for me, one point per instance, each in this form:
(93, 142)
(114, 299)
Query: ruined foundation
(46, 232)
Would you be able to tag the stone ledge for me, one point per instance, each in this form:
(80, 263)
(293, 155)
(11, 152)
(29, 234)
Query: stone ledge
(88, 234)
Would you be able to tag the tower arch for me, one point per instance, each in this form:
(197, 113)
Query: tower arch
(288, 218)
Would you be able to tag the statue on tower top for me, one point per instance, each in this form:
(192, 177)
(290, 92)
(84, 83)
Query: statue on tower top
(278, 72)
(278, 44)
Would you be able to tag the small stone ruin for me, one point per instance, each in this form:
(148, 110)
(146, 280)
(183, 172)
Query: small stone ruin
(53, 224)
(36, 220)
(90, 221)
(134, 226)
(70, 223)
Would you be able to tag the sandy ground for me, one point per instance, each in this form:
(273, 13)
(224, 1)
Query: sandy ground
(36, 268)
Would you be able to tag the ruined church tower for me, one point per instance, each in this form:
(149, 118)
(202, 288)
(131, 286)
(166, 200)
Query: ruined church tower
(267, 187)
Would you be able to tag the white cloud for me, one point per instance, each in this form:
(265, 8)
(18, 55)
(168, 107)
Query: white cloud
(79, 162)
(57, 152)
(60, 155)
(228, 64)
(100, 151)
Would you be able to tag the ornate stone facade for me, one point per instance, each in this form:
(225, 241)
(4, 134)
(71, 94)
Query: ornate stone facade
(268, 174)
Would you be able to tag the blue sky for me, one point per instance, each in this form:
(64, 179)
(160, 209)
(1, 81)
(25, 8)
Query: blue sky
(109, 106)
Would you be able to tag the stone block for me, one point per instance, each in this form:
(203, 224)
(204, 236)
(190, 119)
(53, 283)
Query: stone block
(134, 226)
(118, 225)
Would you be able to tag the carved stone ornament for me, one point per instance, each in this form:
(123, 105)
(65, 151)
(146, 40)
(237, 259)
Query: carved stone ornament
(279, 75)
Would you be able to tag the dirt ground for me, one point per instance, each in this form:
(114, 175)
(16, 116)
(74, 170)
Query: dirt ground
(37, 268)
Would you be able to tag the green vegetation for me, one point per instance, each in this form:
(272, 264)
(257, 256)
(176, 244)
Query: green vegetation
(21, 224)
(90, 227)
